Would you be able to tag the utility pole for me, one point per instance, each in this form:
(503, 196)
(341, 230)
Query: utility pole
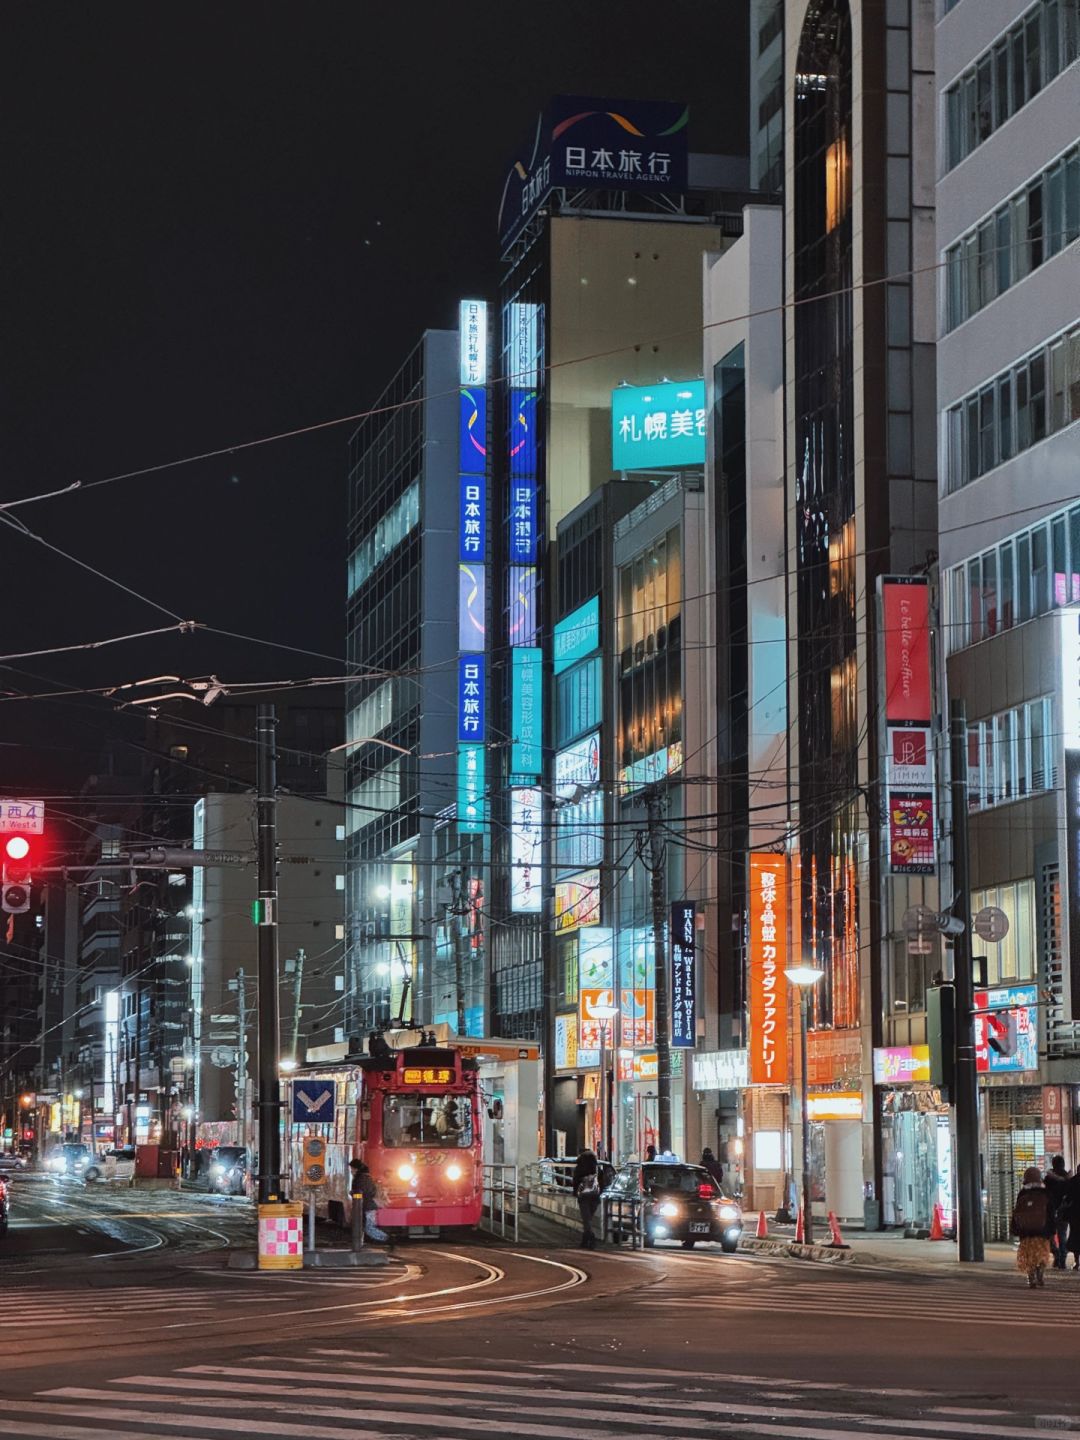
(968, 1176)
(298, 986)
(660, 980)
(267, 923)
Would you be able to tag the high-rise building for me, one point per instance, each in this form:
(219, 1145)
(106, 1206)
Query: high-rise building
(1008, 223)
(401, 762)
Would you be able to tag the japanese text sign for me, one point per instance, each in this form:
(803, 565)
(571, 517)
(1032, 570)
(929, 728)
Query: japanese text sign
(767, 959)
(658, 426)
(470, 697)
(472, 539)
(470, 789)
(911, 833)
(472, 334)
(683, 974)
(527, 710)
(523, 521)
(1007, 1029)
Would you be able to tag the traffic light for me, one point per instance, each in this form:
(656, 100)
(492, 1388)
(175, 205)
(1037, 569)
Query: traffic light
(941, 1035)
(18, 854)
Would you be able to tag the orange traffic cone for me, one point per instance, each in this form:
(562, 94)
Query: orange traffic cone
(837, 1241)
(800, 1229)
(762, 1226)
(937, 1231)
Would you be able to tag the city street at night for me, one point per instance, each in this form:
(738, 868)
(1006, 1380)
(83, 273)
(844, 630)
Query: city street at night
(474, 1337)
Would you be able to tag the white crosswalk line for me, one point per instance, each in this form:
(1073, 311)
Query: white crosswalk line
(340, 1394)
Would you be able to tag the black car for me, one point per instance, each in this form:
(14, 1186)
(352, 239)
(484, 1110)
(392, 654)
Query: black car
(677, 1202)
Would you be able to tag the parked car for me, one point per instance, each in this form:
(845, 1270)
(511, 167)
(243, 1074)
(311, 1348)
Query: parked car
(677, 1202)
(111, 1164)
(11, 1162)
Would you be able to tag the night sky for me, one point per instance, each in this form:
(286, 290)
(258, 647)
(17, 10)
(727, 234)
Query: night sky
(224, 222)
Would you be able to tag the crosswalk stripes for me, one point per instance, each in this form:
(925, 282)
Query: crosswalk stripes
(337, 1395)
(1013, 1305)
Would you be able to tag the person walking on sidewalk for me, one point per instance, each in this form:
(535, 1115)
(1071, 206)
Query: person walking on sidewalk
(586, 1188)
(1033, 1225)
(710, 1163)
(1057, 1184)
(1070, 1207)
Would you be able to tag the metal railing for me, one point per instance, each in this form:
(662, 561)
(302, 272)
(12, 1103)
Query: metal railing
(622, 1219)
(555, 1176)
(500, 1201)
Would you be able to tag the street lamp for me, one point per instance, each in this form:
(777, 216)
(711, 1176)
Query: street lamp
(605, 1014)
(805, 976)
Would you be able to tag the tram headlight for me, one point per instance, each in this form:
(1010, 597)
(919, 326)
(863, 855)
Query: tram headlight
(453, 1172)
(406, 1171)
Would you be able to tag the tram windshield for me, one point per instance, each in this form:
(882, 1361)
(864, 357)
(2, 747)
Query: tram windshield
(410, 1120)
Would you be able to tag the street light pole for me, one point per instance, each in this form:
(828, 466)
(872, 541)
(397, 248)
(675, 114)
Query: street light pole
(805, 977)
(605, 1014)
(267, 925)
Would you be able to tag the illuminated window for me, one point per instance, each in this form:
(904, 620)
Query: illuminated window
(837, 182)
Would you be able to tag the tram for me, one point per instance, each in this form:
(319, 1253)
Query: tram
(414, 1115)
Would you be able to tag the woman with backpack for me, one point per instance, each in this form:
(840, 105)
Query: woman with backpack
(586, 1188)
(1033, 1225)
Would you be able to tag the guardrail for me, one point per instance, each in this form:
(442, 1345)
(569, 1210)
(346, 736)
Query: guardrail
(500, 1200)
(622, 1219)
(552, 1175)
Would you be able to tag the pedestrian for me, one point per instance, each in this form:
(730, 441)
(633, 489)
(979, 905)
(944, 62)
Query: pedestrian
(710, 1163)
(1071, 1209)
(1033, 1225)
(586, 1188)
(650, 1154)
(1057, 1182)
(364, 1189)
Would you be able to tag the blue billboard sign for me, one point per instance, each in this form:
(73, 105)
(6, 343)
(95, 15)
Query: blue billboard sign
(658, 427)
(526, 710)
(522, 447)
(471, 805)
(470, 698)
(596, 144)
(472, 536)
(523, 522)
(472, 606)
(683, 975)
(521, 603)
(472, 431)
(578, 635)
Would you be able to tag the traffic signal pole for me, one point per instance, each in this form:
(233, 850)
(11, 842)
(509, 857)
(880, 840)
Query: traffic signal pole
(267, 923)
(968, 1169)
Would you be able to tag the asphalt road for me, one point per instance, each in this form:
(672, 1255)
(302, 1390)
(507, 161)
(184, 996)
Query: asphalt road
(476, 1338)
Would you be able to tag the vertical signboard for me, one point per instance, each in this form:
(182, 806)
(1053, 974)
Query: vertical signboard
(766, 961)
(526, 710)
(525, 850)
(683, 974)
(472, 551)
(909, 755)
(906, 617)
(1069, 689)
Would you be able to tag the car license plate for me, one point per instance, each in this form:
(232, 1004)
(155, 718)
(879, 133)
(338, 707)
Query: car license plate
(699, 1228)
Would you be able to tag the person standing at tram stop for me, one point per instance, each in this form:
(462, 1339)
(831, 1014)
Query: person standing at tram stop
(586, 1187)
(1057, 1188)
(363, 1189)
(1033, 1225)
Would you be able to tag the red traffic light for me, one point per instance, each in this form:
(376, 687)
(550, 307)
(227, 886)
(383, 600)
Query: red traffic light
(16, 847)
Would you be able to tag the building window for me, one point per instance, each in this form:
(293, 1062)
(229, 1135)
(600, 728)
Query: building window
(389, 531)
(650, 650)
(1041, 44)
(1028, 229)
(1010, 755)
(1014, 958)
(1024, 576)
(579, 699)
(1034, 398)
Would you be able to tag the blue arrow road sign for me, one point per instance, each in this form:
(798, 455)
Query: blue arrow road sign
(312, 1100)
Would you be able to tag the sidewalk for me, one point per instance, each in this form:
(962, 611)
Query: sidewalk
(888, 1249)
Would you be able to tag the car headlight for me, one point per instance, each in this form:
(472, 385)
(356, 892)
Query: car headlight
(728, 1212)
(406, 1171)
(668, 1209)
(453, 1172)
(217, 1169)
(56, 1163)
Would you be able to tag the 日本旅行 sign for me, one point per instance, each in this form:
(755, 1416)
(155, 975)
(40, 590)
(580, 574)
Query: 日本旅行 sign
(658, 427)
(767, 958)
